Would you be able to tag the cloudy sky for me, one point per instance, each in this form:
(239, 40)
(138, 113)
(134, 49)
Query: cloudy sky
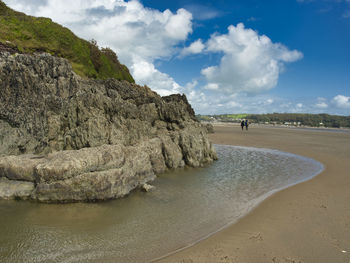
(239, 56)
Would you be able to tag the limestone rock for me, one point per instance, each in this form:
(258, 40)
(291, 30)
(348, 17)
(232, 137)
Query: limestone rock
(20, 167)
(209, 127)
(147, 187)
(10, 189)
(84, 140)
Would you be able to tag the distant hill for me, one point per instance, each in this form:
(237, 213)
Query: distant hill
(294, 119)
(28, 34)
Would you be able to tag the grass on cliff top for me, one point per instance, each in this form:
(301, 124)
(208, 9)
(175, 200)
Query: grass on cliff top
(37, 34)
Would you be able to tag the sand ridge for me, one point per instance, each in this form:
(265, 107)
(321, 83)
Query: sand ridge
(309, 222)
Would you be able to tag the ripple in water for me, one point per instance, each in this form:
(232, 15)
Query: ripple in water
(186, 206)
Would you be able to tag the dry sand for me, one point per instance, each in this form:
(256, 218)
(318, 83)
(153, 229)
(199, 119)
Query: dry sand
(309, 222)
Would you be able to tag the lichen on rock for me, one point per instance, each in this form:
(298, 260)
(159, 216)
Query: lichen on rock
(79, 139)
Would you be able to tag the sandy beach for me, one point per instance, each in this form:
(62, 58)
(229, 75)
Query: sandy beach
(309, 222)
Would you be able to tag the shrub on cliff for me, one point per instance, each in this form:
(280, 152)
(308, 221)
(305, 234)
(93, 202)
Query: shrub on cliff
(30, 34)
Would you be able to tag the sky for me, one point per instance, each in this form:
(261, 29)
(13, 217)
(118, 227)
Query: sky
(227, 56)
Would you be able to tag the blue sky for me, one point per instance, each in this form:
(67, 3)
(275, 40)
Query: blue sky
(226, 56)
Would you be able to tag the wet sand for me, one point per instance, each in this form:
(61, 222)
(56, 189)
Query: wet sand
(309, 222)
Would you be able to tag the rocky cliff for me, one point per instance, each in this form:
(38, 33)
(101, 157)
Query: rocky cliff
(64, 138)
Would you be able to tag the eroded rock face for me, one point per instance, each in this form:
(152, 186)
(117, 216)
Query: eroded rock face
(81, 140)
(10, 189)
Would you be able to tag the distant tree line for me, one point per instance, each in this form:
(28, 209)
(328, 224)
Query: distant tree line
(222, 117)
(314, 120)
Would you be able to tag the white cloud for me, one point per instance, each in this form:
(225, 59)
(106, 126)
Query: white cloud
(146, 73)
(179, 25)
(214, 103)
(321, 105)
(342, 101)
(212, 86)
(206, 102)
(24, 7)
(191, 85)
(268, 101)
(250, 63)
(196, 47)
(203, 12)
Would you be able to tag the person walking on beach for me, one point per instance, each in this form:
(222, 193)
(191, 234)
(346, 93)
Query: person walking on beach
(246, 125)
(242, 124)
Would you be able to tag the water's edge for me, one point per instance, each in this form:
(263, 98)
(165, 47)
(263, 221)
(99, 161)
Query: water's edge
(258, 200)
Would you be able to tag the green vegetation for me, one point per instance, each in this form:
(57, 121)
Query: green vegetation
(314, 120)
(29, 34)
(222, 117)
(235, 116)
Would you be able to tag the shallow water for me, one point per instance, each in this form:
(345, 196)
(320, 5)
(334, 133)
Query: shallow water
(186, 206)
